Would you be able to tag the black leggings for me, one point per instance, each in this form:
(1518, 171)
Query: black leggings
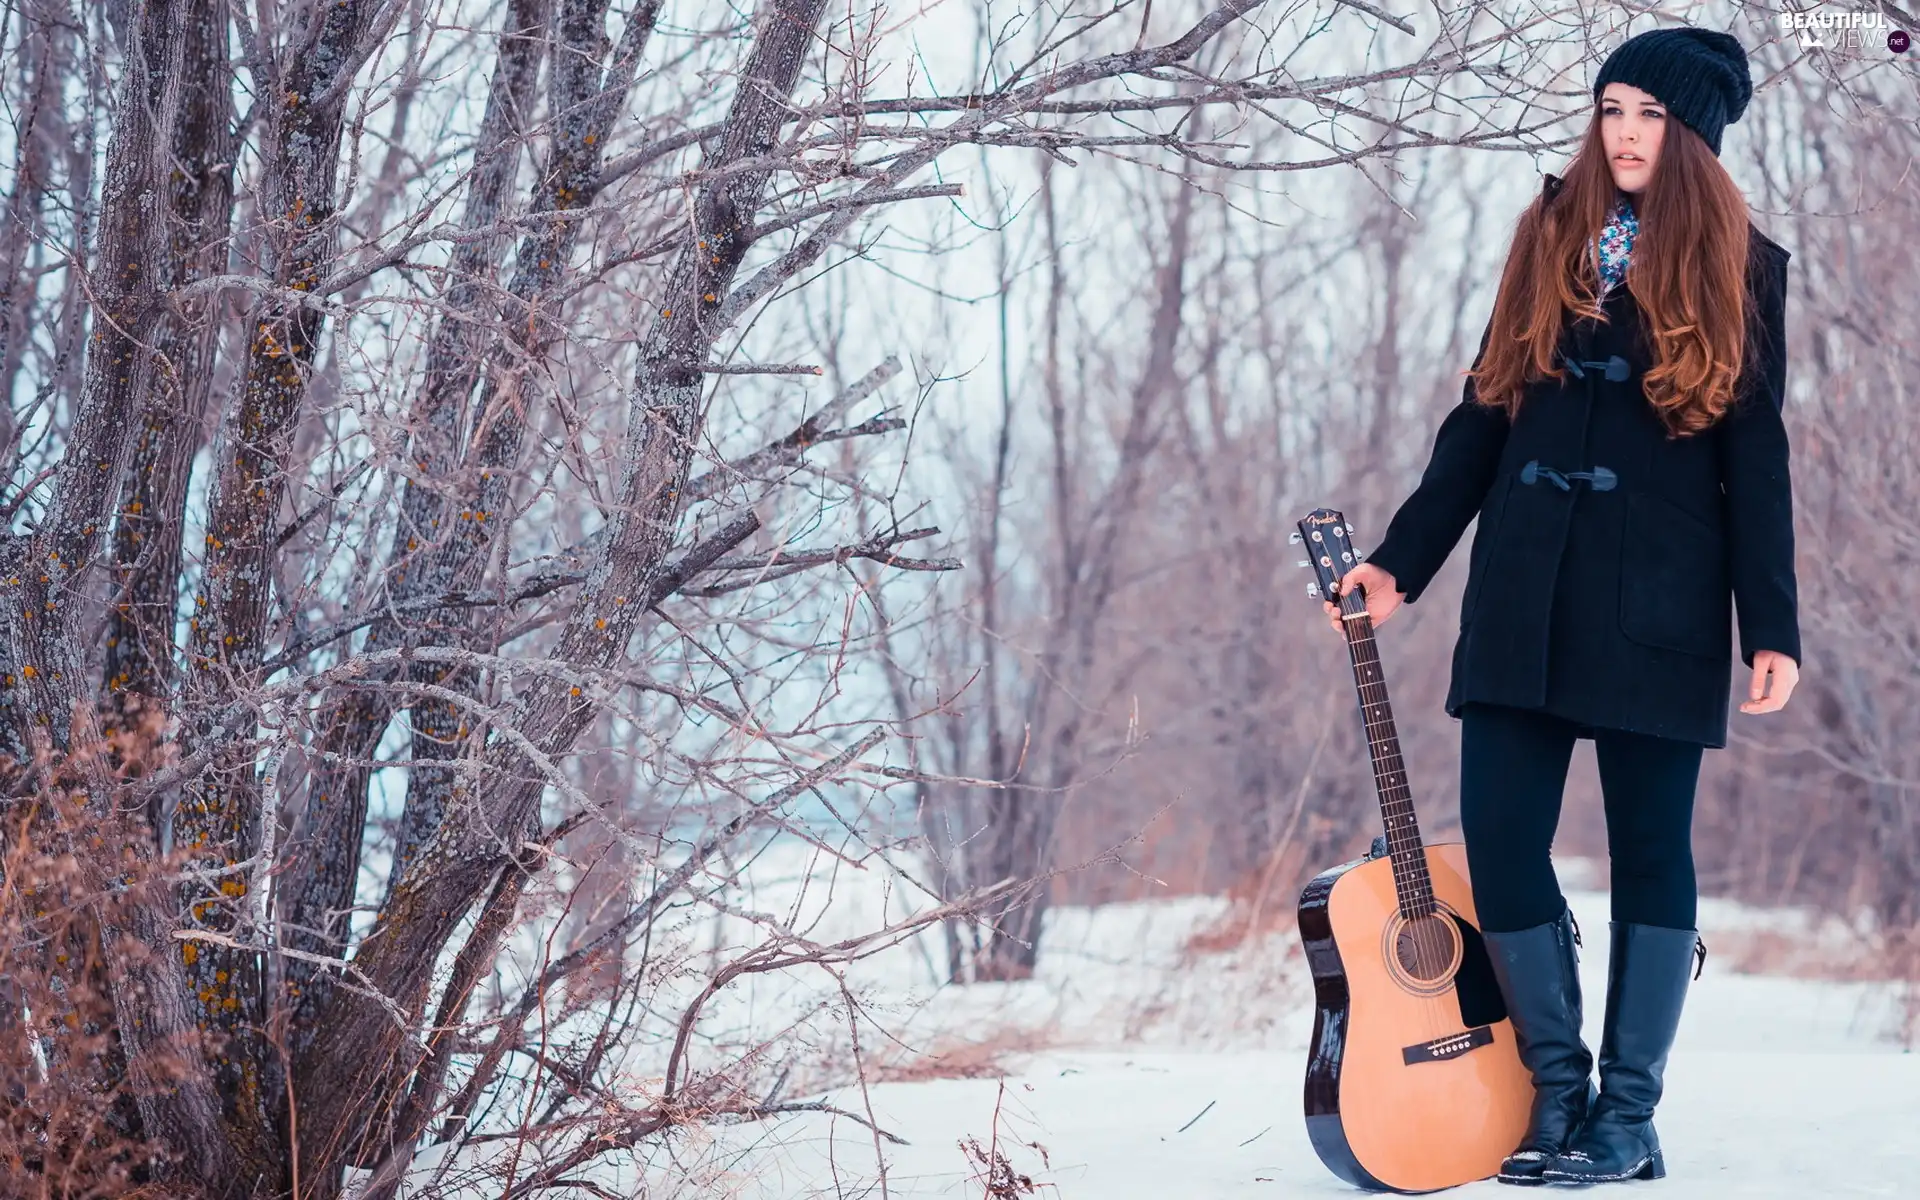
(1513, 770)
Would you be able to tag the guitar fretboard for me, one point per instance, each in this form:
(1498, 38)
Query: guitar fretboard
(1411, 881)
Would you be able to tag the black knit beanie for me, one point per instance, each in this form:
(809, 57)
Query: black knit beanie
(1700, 75)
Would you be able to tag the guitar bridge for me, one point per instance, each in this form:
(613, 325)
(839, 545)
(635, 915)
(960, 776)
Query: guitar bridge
(1449, 1047)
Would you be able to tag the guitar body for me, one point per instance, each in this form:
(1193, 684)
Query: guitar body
(1413, 1080)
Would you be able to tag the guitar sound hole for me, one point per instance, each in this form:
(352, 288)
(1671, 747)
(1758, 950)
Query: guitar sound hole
(1425, 947)
(1423, 953)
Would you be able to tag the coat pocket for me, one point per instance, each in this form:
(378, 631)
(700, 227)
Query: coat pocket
(1485, 533)
(1675, 588)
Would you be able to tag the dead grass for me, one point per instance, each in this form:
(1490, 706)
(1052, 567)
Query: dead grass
(1773, 952)
(958, 1057)
(1261, 903)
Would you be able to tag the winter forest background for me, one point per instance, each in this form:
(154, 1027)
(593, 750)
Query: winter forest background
(559, 553)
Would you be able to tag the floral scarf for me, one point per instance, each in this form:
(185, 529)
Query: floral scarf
(1615, 244)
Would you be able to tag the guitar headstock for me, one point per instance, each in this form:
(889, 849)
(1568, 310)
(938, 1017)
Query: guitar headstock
(1328, 535)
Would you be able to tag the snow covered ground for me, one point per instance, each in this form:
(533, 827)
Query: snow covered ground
(1134, 1067)
(1759, 1119)
(1176, 1076)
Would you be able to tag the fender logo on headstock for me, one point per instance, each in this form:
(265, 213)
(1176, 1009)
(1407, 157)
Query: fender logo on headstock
(1327, 534)
(1451, 1046)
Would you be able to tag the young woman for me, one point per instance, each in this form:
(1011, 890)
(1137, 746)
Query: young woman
(1620, 441)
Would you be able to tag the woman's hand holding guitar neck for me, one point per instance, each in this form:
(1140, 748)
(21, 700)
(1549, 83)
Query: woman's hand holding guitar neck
(1382, 593)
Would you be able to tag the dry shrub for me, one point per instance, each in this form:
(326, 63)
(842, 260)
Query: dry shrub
(70, 1129)
(993, 1170)
(995, 1173)
(77, 876)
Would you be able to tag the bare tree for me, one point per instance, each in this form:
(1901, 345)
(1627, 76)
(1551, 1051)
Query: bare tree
(423, 541)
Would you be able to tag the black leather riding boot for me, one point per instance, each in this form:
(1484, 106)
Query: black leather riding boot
(1539, 977)
(1646, 986)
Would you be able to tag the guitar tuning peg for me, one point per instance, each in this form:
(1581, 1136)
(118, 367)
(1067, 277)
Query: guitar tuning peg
(1305, 562)
(1293, 538)
(1313, 589)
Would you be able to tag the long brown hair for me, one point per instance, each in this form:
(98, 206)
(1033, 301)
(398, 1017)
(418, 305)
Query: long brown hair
(1688, 276)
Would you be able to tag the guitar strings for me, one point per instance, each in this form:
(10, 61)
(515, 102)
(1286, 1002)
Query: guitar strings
(1421, 916)
(1390, 769)
(1421, 920)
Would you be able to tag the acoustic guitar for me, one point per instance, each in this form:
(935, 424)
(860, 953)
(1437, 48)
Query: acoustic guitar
(1413, 1080)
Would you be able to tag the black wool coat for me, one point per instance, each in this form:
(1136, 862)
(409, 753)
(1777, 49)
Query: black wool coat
(1612, 606)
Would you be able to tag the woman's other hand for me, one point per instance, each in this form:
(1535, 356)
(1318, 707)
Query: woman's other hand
(1785, 673)
(1383, 595)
